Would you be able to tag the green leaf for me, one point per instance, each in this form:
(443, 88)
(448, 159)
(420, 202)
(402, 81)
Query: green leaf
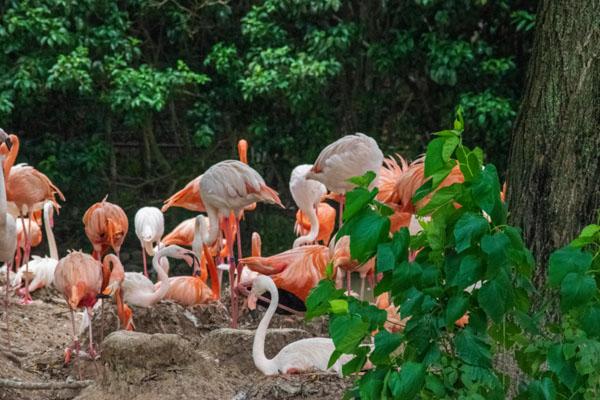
(435, 385)
(586, 236)
(564, 369)
(423, 191)
(495, 297)
(496, 248)
(448, 148)
(457, 306)
(347, 331)
(366, 229)
(357, 363)
(433, 157)
(566, 260)
(576, 290)
(385, 344)
(386, 260)
(590, 321)
(356, 200)
(440, 175)
(407, 383)
(486, 194)
(444, 196)
(469, 272)
(371, 384)
(473, 349)
(317, 302)
(541, 390)
(468, 228)
(363, 181)
(339, 306)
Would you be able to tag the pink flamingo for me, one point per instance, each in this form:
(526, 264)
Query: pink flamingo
(347, 157)
(106, 226)
(227, 188)
(307, 194)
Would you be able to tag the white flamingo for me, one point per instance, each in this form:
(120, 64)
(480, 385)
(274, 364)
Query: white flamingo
(301, 356)
(149, 228)
(41, 268)
(307, 194)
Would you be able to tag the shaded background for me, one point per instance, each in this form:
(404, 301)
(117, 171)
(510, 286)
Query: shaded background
(134, 98)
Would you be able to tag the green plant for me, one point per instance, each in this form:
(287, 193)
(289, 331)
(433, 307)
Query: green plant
(467, 242)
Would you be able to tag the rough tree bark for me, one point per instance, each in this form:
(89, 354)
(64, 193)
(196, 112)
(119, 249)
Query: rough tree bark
(554, 171)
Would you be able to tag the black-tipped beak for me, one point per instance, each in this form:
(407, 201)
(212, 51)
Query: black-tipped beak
(102, 296)
(8, 143)
(195, 260)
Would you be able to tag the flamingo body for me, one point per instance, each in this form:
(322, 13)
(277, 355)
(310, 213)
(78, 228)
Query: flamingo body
(106, 226)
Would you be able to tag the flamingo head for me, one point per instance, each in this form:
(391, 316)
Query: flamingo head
(243, 150)
(261, 284)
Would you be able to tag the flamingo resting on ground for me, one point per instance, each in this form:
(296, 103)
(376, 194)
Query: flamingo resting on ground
(78, 277)
(106, 226)
(307, 194)
(41, 268)
(227, 188)
(347, 157)
(27, 191)
(301, 356)
(149, 227)
(8, 236)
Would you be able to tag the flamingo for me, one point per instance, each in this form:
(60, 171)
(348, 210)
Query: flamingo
(42, 268)
(8, 235)
(78, 277)
(133, 288)
(326, 217)
(183, 235)
(112, 265)
(226, 188)
(248, 275)
(301, 356)
(189, 197)
(27, 191)
(106, 226)
(307, 194)
(295, 271)
(35, 235)
(347, 157)
(149, 228)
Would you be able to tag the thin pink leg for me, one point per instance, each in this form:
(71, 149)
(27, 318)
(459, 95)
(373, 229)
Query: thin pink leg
(145, 262)
(75, 345)
(349, 282)
(342, 201)
(6, 303)
(27, 298)
(239, 251)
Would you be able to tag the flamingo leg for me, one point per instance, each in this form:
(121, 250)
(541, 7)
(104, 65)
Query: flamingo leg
(349, 282)
(362, 287)
(341, 204)
(239, 251)
(6, 303)
(27, 298)
(233, 293)
(145, 262)
(18, 257)
(75, 345)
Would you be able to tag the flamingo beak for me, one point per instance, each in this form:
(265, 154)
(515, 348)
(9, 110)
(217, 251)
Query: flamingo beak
(8, 143)
(194, 261)
(252, 298)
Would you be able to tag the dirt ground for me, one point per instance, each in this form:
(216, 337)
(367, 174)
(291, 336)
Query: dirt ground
(175, 353)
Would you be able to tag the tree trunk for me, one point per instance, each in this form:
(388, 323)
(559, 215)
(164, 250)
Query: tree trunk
(554, 171)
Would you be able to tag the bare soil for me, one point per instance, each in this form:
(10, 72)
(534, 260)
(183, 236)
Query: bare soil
(175, 353)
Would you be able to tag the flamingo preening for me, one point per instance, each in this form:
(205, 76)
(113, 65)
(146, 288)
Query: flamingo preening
(307, 194)
(347, 157)
(8, 235)
(149, 227)
(227, 188)
(27, 191)
(106, 226)
(326, 217)
(301, 356)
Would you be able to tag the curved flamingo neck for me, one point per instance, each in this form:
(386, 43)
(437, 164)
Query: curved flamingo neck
(314, 228)
(48, 208)
(213, 225)
(214, 276)
(258, 347)
(163, 277)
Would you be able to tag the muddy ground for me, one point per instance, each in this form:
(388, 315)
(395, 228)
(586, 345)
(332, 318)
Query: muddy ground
(176, 353)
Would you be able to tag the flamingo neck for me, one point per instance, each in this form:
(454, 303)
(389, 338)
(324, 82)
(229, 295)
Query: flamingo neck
(213, 225)
(49, 234)
(215, 285)
(268, 367)
(163, 278)
(148, 248)
(314, 228)
(12, 155)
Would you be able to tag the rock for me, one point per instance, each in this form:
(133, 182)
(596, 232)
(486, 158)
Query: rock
(135, 349)
(235, 345)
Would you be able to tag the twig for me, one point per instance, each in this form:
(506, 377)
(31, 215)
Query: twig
(8, 383)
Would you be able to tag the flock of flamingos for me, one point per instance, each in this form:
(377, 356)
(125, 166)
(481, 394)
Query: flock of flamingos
(225, 191)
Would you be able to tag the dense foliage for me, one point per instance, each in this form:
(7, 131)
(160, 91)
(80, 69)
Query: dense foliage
(467, 259)
(137, 97)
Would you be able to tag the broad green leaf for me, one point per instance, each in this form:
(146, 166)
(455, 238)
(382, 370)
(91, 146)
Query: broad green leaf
(357, 363)
(407, 383)
(440, 175)
(356, 200)
(433, 157)
(486, 194)
(566, 260)
(496, 297)
(435, 385)
(423, 191)
(347, 331)
(576, 290)
(541, 390)
(385, 344)
(564, 369)
(468, 228)
(444, 196)
(496, 248)
(470, 271)
(339, 306)
(386, 260)
(457, 306)
(363, 181)
(317, 302)
(590, 321)
(371, 384)
(366, 229)
(473, 349)
(448, 148)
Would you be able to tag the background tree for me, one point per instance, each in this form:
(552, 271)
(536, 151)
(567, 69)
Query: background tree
(554, 173)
